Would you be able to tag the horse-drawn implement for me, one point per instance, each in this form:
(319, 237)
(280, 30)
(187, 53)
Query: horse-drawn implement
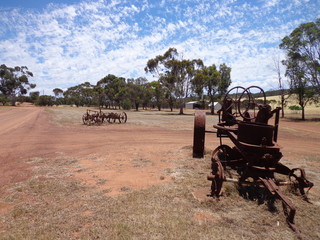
(93, 117)
(254, 160)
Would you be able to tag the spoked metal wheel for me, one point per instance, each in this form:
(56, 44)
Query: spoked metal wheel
(91, 121)
(123, 117)
(217, 174)
(223, 154)
(111, 118)
(99, 120)
(230, 105)
(199, 134)
(85, 119)
(249, 102)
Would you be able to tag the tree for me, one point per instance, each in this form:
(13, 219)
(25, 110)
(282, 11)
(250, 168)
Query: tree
(15, 81)
(225, 79)
(158, 67)
(136, 91)
(80, 95)
(175, 73)
(57, 92)
(302, 62)
(283, 91)
(45, 100)
(199, 82)
(147, 95)
(184, 71)
(3, 99)
(157, 93)
(303, 47)
(212, 83)
(114, 88)
(299, 85)
(34, 96)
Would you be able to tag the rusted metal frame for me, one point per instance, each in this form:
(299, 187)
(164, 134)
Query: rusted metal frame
(276, 124)
(274, 190)
(301, 181)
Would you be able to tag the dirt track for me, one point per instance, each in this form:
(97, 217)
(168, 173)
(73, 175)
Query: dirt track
(26, 132)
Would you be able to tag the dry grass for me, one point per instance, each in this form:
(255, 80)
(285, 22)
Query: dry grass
(163, 119)
(52, 205)
(312, 110)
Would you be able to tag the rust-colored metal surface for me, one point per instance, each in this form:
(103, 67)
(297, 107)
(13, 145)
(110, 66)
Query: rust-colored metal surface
(93, 117)
(199, 134)
(255, 157)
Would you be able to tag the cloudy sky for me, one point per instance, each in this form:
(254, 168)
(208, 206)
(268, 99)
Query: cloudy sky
(68, 42)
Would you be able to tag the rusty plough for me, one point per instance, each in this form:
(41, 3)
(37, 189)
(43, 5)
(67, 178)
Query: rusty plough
(93, 117)
(255, 157)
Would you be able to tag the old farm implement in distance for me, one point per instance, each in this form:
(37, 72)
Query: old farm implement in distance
(93, 117)
(254, 158)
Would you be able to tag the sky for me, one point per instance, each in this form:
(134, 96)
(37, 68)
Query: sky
(68, 42)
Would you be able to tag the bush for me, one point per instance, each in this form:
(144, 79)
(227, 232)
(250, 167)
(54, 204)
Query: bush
(4, 99)
(295, 108)
(45, 100)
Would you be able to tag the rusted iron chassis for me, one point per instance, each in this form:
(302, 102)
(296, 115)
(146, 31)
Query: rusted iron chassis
(255, 157)
(93, 117)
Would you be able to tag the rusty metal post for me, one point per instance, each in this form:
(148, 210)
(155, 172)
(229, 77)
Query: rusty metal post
(199, 134)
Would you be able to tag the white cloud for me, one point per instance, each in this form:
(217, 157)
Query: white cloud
(65, 45)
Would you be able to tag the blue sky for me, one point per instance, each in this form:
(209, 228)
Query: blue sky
(68, 42)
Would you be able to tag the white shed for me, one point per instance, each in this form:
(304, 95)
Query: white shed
(192, 105)
(217, 106)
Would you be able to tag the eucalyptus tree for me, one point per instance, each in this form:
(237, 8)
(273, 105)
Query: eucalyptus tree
(225, 79)
(299, 85)
(113, 89)
(80, 95)
(175, 74)
(158, 67)
(14, 81)
(303, 47)
(3, 99)
(212, 83)
(302, 61)
(136, 91)
(58, 92)
(157, 93)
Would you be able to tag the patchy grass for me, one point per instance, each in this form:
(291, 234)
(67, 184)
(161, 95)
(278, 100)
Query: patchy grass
(52, 205)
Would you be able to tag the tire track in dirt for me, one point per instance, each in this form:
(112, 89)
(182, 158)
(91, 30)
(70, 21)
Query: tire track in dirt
(28, 132)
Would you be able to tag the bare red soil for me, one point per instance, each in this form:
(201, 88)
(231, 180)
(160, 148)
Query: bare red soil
(125, 156)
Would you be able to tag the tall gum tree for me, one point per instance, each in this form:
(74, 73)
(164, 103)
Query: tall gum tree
(14, 81)
(175, 73)
(302, 61)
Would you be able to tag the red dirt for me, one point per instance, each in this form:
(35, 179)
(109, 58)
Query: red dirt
(118, 157)
(124, 156)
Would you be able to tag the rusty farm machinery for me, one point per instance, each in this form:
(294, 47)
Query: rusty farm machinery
(93, 117)
(254, 158)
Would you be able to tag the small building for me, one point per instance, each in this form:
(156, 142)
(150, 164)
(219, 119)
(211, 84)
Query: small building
(217, 106)
(193, 105)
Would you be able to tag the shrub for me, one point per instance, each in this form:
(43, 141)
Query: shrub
(295, 108)
(45, 100)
